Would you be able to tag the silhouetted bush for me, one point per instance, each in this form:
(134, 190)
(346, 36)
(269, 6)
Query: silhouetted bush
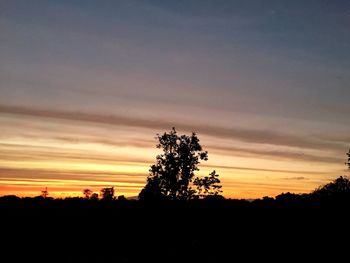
(338, 190)
(107, 193)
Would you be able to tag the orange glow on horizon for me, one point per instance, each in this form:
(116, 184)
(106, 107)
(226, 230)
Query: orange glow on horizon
(40, 157)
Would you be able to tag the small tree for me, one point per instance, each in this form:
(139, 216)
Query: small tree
(174, 172)
(45, 193)
(87, 193)
(94, 196)
(348, 162)
(107, 193)
(121, 198)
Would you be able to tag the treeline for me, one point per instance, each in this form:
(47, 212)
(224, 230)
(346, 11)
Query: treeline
(335, 192)
(196, 230)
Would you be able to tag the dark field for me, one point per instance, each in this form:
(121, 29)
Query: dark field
(78, 230)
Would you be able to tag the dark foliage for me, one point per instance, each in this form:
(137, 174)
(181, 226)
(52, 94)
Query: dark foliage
(173, 174)
(94, 196)
(208, 186)
(87, 193)
(207, 230)
(45, 193)
(338, 189)
(107, 193)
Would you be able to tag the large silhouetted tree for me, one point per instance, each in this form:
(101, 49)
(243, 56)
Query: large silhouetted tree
(173, 174)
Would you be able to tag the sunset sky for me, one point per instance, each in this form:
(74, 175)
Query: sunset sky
(85, 86)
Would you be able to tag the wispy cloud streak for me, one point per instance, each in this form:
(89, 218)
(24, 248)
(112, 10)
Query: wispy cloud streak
(275, 154)
(246, 135)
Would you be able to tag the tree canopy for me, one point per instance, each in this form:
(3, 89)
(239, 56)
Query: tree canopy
(340, 187)
(87, 193)
(107, 193)
(173, 175)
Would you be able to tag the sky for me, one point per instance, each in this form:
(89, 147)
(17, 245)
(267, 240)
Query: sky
(85, 86)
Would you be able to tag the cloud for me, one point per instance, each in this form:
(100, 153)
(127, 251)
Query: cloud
(72, 183)
(39, 153)
(245, 135)
(296, 178)
(263, 170)
(71, 176)
(275, 154)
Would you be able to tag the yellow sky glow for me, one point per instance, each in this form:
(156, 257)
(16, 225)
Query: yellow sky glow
(67, 158)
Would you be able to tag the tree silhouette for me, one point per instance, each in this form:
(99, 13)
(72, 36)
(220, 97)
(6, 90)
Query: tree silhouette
(45, 193)
(173, 174)
(107, 193)
(121, 198)
(209, 185)
(339, 188)
(94, 196)
(87, 193)
(152, 190)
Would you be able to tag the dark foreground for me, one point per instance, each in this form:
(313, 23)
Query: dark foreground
(77, 230)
